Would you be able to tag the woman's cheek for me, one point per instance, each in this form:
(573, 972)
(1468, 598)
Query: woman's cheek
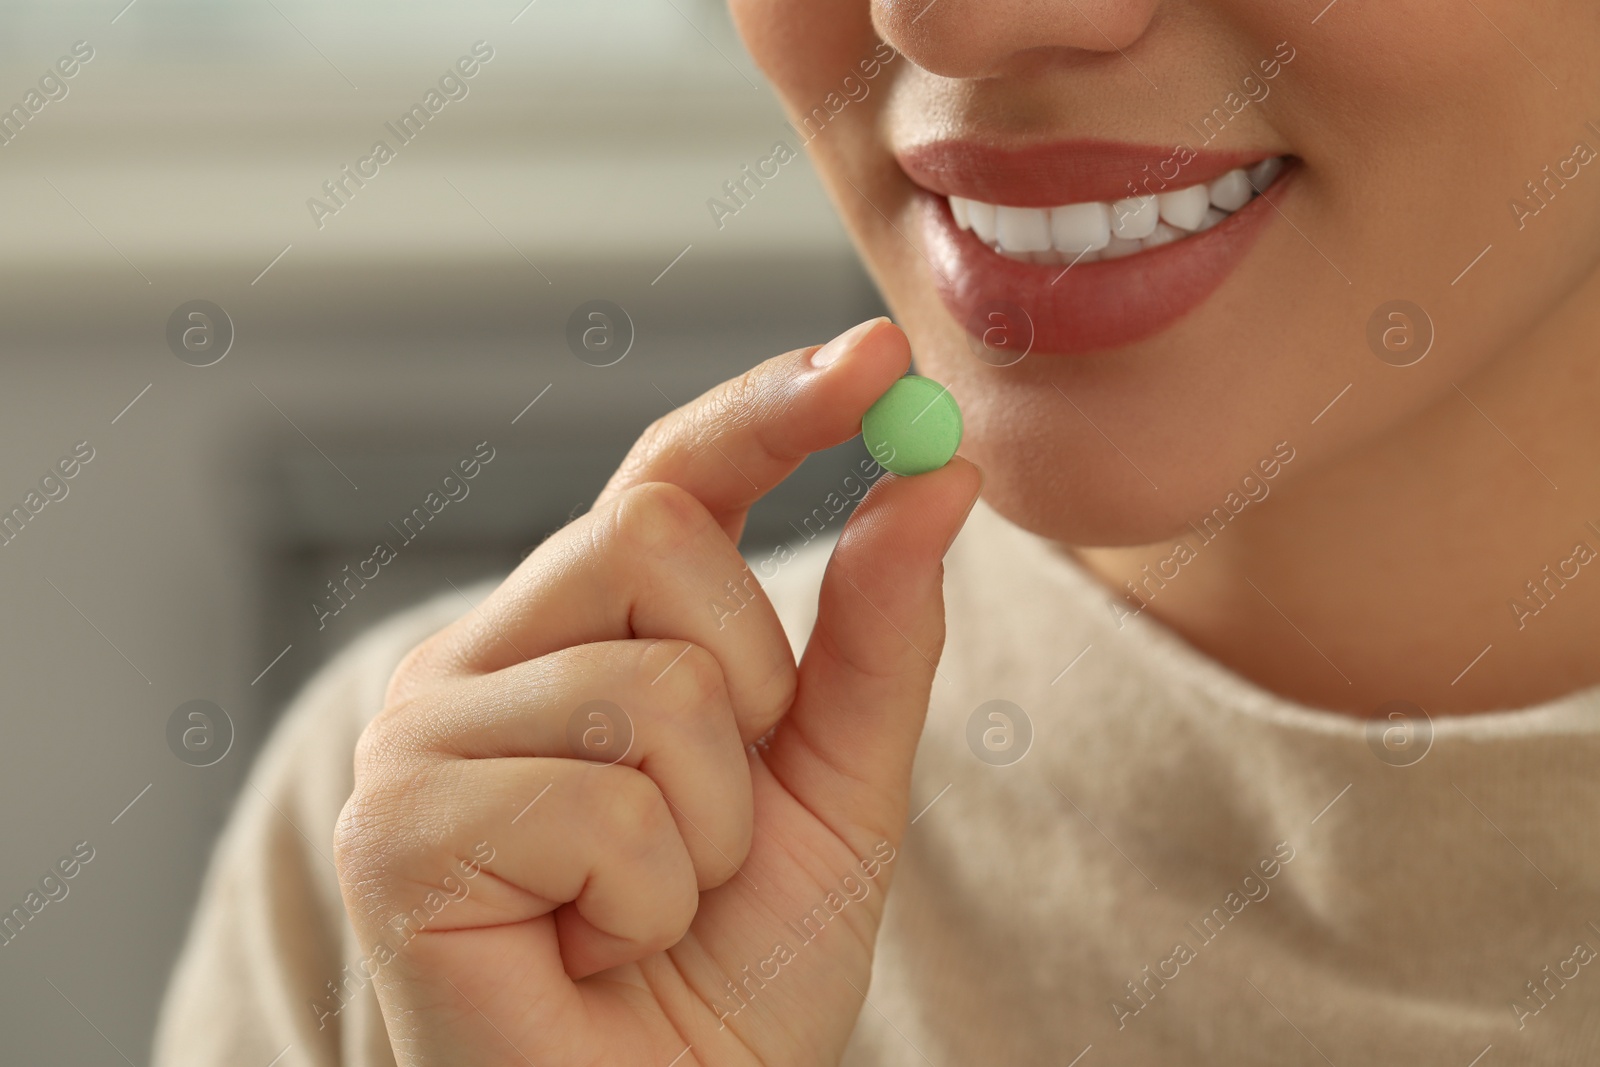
(805, 47)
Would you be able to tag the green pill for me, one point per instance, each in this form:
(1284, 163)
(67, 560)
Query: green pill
(913, 428)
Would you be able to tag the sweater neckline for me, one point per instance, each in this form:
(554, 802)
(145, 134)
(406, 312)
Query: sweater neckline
(1080, 594)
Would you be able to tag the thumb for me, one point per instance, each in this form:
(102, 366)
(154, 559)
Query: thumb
(871, 662)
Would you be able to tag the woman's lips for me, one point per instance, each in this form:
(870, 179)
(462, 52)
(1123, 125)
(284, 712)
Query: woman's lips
(1062, 172)
(1093, 303)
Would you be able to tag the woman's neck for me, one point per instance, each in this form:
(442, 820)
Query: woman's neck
(1397, 571)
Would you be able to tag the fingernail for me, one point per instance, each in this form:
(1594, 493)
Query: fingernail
(837, 347)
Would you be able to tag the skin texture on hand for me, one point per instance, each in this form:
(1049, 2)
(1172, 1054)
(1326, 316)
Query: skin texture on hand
(640, 904)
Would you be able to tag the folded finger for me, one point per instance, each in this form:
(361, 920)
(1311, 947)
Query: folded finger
(649, 563)
(658, 706)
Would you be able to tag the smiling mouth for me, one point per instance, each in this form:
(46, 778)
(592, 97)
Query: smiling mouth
(1094, 230)
(1008, 228)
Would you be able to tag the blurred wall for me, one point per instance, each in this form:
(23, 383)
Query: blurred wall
(367, 349)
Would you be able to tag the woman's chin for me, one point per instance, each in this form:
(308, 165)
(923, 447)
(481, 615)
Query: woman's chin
(1086, 503)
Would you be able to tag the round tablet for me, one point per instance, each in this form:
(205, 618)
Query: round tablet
(913, 428)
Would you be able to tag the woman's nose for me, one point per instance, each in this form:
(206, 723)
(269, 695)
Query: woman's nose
(983, 38)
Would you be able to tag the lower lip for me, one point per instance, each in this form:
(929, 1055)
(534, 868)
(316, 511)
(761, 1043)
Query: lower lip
(1091, 306)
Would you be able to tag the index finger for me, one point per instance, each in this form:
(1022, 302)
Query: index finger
(731, 445)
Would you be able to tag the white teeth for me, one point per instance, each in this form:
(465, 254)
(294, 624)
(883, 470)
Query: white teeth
(1119, 247)
(1095, 230)
(1135, 217)
(1022, 229)
(981, 216)
(1163, 234)
(1264, 173)
(1074, 227)
(958, 209)
(1185, 207)
(1231, 191)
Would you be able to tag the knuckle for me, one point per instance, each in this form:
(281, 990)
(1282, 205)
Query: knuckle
(629, 813)
(658, 517)
(362, 836)
(665, 924)
(736, 402)
(780, 688)
(650, 443)
(656, 436)
(687, 680)
(374, 743)
(381, 742)
(379, 844)
(370, 747)
(729, 836)
(739, 400)
(719, 868)
(631, 821)
(414, 672)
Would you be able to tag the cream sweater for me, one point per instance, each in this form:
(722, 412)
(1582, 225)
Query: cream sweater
(1180, 868)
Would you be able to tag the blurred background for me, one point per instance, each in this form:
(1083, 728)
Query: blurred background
(342, 361)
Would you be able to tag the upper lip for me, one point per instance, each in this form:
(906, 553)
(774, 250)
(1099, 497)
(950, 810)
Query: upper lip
(1062, 172)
